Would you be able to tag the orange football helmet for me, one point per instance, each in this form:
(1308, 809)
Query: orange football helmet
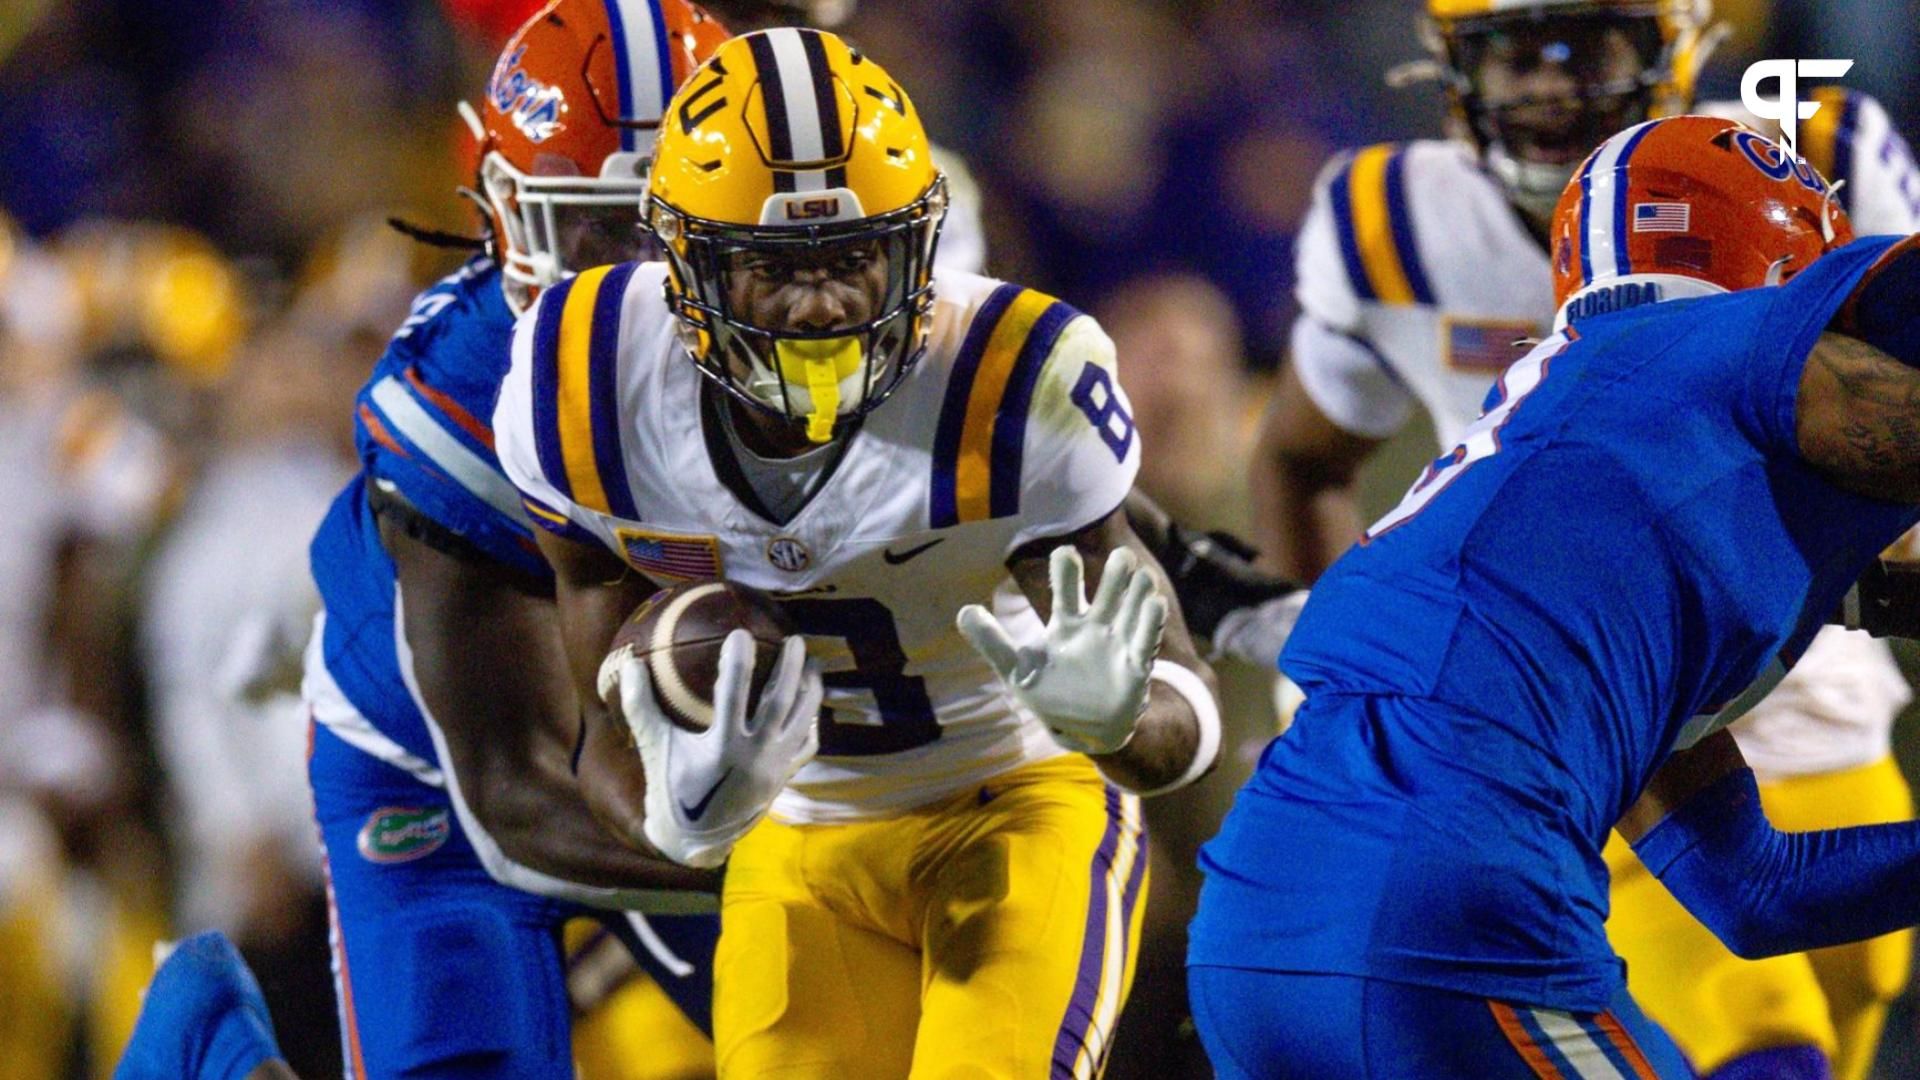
(569, 119)
(1687, 206)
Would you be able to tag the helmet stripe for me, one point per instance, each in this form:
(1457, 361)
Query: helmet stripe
(773, 97)
(640, 59)
(1585, 215)
(1603, 205)
(831, 148)
(1621, 253)
(801, 89)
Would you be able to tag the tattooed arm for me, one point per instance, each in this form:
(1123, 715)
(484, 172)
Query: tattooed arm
(1858, 418)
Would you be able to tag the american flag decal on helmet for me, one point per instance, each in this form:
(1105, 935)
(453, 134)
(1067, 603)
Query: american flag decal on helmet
(664, 555)
(1662, 217)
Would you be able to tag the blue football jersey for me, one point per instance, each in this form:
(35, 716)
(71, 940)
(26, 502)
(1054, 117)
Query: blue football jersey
(421, 422)
(421, 425)
(1627, 538)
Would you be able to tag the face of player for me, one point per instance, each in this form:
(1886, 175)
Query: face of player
(1550, 90)
(833, 286)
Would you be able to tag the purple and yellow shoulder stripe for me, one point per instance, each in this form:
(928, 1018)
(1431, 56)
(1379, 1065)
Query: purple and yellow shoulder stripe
(981, 436)
(1373, 219)
(576, 393)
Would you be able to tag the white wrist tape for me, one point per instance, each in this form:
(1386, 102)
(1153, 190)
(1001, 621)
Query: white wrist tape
(1206, 714)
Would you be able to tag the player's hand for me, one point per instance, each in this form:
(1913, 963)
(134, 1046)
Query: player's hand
(1086, 678)
(706, 789)
(1257, 634)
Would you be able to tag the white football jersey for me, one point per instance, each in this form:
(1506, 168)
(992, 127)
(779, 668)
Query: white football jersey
(1416, 277)
(1011, 428)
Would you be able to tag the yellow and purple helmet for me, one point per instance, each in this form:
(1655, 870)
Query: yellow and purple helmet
(1532, 145)
(788, 142)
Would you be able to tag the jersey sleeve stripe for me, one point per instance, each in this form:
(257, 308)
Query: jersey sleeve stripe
(556, 522)
(477, 475)
(604, 380)
(973, 469)
(1400, 216)
(1340, 198)
(466, 421)
(546, 385)
(1010, 422)
(1373, 233)
(371, 421)
(942, 499)
(575, 386)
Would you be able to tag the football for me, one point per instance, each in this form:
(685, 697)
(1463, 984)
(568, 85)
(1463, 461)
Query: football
(678, 633)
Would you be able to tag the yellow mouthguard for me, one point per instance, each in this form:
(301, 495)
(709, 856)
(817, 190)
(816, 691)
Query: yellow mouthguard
(821, 364)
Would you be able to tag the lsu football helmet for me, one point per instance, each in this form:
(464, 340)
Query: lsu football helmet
(790, 147)
(570, 110)
(1621, 62)
(1687, 206)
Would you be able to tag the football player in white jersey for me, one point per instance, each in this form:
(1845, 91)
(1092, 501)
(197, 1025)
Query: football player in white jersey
(797, 400)
(1420, 265)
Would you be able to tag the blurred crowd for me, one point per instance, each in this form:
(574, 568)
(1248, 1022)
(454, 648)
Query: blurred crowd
(196, 273)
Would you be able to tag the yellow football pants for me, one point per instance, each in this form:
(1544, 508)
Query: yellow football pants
(989, 935)
(636, 1032)
(1717, 1006)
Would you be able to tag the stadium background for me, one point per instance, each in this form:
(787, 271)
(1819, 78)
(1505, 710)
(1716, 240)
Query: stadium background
(195, 275)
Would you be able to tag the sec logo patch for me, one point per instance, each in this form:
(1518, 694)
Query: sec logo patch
(788, 554)
(395, 834)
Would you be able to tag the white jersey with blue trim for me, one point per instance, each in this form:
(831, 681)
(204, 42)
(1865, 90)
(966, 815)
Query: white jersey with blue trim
(1012, 427)
(1416, 275)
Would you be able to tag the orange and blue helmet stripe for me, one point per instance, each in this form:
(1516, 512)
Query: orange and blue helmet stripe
(1602, 223)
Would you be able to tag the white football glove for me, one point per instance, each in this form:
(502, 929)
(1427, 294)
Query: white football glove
(706, 789)
(1257, 634)
(1086, 678)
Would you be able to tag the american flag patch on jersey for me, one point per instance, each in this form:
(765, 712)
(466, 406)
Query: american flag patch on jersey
(1484, 344)
(1662, 217)
(663, 555)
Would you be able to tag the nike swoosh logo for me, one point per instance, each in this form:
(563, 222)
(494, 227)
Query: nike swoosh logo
(693, 812)
(896, 558)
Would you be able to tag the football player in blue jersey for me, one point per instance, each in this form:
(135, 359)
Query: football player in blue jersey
(1659, 507)
(456, 840)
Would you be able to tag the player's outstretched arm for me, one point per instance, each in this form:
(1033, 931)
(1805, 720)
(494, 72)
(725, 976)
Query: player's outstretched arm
(1700, 829)
(1302, 481)
(1117, 676)
(495, 677)
(1857, 418)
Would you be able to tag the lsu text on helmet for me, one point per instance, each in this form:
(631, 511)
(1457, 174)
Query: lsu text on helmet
(1536, 84)
(790, 153)
(1687, 206)
(570, 110)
